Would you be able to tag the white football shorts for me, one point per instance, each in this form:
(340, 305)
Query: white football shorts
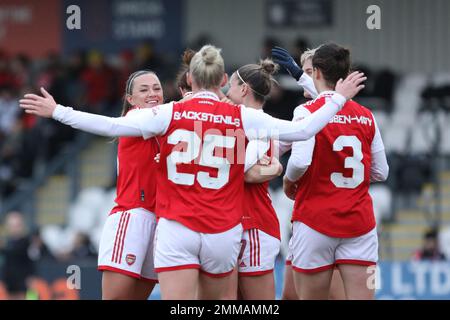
(178, 247)
(258, 253)
(313, 251)
(126, 244)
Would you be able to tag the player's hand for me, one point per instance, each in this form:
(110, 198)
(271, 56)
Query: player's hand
(157, 158)
(226, 99)
(284, 59)
(37, 105)
(221, 95)
(273, 168)
(279, 166)
(264, 161)
(289, 188)
(351, 85)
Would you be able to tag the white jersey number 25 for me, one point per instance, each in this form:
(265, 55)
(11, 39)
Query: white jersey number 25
(207, 158)
(354, 163)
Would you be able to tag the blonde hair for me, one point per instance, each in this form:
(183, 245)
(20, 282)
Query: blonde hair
(207, 67)
(308, 54)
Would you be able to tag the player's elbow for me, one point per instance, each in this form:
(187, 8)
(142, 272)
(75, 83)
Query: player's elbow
(380, 175)
(385, 174)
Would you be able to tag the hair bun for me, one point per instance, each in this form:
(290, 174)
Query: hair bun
(209, 54)
(187, 56)
(269, 66)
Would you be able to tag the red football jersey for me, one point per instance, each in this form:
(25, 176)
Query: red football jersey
(136, 170)
(203, 165)
(258, 210)
(333, 195)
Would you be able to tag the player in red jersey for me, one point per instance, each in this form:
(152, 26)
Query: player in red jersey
(257, 196)
(126, 246)
(329, 176)
(203, 141)
(250, 85)
(337, 291)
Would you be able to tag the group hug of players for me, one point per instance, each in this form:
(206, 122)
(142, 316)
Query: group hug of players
(193, 209)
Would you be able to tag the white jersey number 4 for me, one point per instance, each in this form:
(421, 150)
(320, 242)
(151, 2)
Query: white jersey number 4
(207, 158)
(354, 163)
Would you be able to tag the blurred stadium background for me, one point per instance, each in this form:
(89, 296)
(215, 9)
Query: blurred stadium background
(62, 181)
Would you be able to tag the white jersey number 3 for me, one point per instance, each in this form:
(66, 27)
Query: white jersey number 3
(354, 163)
(207, 158)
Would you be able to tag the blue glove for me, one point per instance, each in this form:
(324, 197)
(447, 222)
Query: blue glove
(283, 58)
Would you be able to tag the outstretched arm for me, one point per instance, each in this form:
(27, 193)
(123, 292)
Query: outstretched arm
(282, 57)
(307, 83)
(142, 122)
(256, 123)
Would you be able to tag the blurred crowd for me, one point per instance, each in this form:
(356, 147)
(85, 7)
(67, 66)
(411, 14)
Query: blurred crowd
(21, 248)
(88, 80)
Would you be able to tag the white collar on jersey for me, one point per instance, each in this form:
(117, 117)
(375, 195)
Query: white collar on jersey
(206, 95)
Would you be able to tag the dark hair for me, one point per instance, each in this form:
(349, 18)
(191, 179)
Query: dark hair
(258, 77)
(431, 234)
(184, 69)
(333, 61)
(129, 89)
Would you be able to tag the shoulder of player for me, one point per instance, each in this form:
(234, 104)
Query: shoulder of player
(132, 110)
(300, 112)
(240, 106)
(192, 101)
(361, 109)
(155, 109)
(309, 107)
(315, 104)
(244, 109)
